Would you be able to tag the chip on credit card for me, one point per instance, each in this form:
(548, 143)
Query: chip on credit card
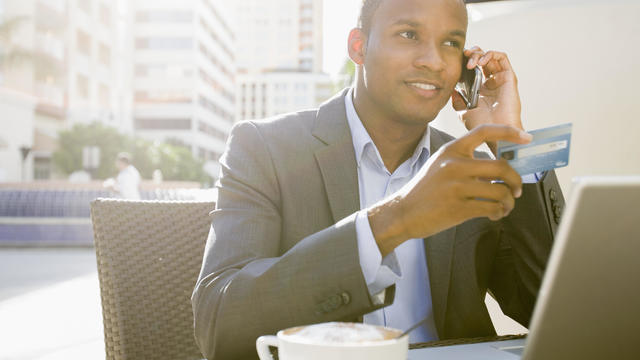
(549, 149)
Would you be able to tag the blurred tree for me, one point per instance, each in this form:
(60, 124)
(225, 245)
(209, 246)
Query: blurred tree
(175, 162)
(345, 76)
(68, 157)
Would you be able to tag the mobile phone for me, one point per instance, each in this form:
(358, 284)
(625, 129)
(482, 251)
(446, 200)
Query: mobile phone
(469, 84)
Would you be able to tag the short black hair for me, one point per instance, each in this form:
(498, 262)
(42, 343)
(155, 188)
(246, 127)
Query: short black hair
(124, 157)
(367, 11)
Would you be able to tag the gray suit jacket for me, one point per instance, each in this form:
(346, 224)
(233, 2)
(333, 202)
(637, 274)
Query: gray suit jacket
(282, 250)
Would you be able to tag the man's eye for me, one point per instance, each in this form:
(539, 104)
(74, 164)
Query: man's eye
(452, 43)
(411, 35)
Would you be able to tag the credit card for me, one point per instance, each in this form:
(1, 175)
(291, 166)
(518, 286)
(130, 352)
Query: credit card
(549, 149)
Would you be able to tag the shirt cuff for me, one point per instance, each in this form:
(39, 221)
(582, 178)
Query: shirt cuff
(378, 273)
(532, 178)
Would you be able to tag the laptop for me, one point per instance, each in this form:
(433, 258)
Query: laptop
(589, 302)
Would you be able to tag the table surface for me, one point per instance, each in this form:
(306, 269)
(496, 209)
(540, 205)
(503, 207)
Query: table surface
(464, 341)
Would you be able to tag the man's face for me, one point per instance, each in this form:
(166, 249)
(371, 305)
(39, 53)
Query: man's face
(121, 164)
(412, 57)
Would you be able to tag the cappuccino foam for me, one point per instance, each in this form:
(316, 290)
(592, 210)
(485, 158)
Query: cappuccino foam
(341, 333)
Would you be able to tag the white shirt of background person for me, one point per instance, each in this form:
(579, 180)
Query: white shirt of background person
(128, 179)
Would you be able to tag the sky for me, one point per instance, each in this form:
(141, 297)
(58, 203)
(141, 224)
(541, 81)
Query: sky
(339, 17)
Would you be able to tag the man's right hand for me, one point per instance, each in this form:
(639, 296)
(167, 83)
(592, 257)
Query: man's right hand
(449, 189)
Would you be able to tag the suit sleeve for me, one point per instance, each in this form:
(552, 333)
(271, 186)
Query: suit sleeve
(526, 238)
(247, 287)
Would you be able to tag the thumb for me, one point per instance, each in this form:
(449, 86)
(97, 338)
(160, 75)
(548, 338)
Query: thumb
(457, 101)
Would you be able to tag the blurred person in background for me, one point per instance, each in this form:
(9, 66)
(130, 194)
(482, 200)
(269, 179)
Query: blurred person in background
(127, 183)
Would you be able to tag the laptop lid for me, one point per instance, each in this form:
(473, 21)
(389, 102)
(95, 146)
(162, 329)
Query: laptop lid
(589, 303)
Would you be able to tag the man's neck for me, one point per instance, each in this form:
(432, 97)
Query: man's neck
(395, 140)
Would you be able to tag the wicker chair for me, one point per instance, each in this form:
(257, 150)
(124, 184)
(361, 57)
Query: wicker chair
(149, 255)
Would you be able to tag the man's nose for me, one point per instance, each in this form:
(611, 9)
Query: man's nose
(430, 58)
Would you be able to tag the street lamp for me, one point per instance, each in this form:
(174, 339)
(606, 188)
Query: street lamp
(24, 150)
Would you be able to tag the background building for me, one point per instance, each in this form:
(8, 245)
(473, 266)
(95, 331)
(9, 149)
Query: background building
(69, 66)
(159, 69)
(183, 74)
(278, 92)
(279, 57)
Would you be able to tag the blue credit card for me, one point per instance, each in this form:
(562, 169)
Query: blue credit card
(549, 149)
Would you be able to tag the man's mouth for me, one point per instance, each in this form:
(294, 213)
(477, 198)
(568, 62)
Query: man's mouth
(424, 89)
(423, 86)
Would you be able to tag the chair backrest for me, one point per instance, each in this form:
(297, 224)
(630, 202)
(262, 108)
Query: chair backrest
(149, 255)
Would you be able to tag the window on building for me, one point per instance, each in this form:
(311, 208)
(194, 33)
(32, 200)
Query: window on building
(163, 96)
(83, 42)
(213, 59)
(175, 16)
(103, 96)
(214, 108)
(85, 5)
(216, 39)
(104, 53)
(141, 70)
(220, 19)
(211, 131)
(82, 86)
(105, 14)
(162, 124)
(41, 168)
(164, 43)
(306, 64)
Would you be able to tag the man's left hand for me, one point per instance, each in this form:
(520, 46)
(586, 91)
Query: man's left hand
(499, 101)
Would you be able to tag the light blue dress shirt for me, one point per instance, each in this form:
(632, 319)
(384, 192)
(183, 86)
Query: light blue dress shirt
(406, 266)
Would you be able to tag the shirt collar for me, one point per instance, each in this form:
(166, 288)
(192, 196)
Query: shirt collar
(361, 138)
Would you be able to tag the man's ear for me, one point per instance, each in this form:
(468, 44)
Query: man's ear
(357, 46)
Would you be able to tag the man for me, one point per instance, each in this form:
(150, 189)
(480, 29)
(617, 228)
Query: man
(360, 211)
(127, 183)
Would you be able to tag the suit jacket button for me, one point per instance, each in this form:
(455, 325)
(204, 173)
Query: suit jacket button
(346, 298)
(335, 301)
(557, 213)
(326, 307)
(552, 195)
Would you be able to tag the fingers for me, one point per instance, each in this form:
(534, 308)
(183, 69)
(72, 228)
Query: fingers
(482, 208)
(488, 133)
(457, 101)
(484, 171)
(474, 54)
(494, 192)
(499, 79)
(493, 62)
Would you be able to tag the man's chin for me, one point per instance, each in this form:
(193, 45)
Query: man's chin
(420, 114)
(418, 119)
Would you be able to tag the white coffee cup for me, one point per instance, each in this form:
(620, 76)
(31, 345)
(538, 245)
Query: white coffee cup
(335, 341)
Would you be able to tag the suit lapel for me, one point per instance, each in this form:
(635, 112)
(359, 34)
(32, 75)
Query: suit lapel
(337, 160)
(439, 252)
(340, 175)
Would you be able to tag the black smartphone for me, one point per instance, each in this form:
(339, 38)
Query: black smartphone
(469, 84)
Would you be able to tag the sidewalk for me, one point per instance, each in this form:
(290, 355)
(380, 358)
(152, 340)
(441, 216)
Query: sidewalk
(50, 305)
